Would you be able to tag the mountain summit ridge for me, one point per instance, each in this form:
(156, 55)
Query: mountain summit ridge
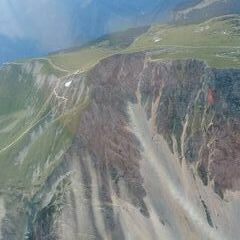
(205, 9)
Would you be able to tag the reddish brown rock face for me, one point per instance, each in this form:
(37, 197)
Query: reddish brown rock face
(104, 126)
(210, 115)
(211, 97)
(170, 92)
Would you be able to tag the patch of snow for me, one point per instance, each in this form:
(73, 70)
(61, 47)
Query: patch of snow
(157, 40)
(67, 84)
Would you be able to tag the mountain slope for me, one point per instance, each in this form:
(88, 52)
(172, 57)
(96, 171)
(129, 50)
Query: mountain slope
(50, 26)
(197, 11)
(140, 139)
(120, 141)
(215, 41)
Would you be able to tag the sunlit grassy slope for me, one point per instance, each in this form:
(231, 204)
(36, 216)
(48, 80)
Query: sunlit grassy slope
(82, 59)
(85, 57)
(33, 136)
(216, 41)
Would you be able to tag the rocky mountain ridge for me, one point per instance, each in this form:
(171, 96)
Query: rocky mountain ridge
(129, 140)
(197, 11)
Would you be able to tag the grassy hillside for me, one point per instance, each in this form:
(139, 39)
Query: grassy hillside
(216, 41)
(34, 133)
(87, 56)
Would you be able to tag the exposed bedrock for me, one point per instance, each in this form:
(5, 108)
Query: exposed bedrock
(154, 155)
(187, 103)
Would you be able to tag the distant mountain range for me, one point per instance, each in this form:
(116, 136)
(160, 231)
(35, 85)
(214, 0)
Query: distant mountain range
(36, 28)
(199, 10)
(11, 49)
(33, 28)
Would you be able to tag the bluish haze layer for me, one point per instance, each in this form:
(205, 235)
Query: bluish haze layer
(30, 27)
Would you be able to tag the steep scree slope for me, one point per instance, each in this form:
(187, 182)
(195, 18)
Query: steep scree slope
(147, 150)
